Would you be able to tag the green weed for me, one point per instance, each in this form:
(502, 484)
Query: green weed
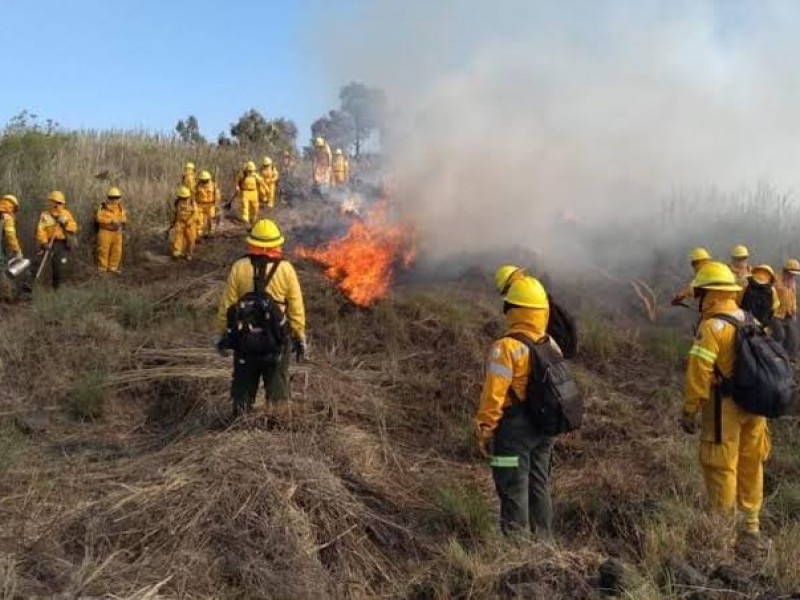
(464, 511)
(88, 396)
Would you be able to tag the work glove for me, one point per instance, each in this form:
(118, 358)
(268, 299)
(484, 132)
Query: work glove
(62, 220)
(689, 423)
(484, 438)
(299, 349)
(222, 346)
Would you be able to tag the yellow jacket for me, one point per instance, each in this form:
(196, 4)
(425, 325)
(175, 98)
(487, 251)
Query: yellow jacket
(509, 366)
(207, 193)
(788, 301)
(714, 346)
(270, 174)
(109, 213)
(188, 180)
(48, 227)
(10, 240)
(250, 184)
(185, 211)
(284, 288)
(341, 167)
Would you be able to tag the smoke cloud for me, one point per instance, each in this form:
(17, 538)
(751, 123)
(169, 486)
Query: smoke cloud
(524, 123)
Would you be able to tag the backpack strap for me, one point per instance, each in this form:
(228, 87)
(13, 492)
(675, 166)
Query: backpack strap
(261, 279)
(724, 384)
(531, 345)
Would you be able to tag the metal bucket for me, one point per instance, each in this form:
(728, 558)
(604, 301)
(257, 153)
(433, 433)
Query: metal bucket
(17, 266)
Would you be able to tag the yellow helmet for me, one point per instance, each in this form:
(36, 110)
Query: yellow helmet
(267, 162)
(740, 252)
(189, 166)
(716, 276)
(338, 152)
(265, 234)
(760, 271)
(319, 142)
(504, 276)
(113, 193)
(12, 199)
(57, 197)
(699, 254)
(792, 265)
(527, 293)
(183, 192)
(205, 176)
(249, 166)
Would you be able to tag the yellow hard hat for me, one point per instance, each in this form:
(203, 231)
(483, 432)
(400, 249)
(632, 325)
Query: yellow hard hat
(113, 193)
(249, 166)
(57, 197)
(319, 142)
(267, 162)
(716, 276)
(12, 199)
(503, 277)
(189, 166)
(338, 152)
(740, 252)
(527, 293)
(205, 176)
(183, 192)
(792, 265)
(764, 270)
(265, 234)
(699, 254)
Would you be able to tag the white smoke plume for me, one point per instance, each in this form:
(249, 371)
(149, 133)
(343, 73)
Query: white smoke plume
(519, 115)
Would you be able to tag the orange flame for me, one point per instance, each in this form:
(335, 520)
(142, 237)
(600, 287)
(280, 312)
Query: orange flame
(363, 262)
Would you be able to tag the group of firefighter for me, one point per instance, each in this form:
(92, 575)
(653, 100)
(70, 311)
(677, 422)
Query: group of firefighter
(196, 211)
(734, 441)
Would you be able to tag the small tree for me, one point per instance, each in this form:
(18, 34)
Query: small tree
(337, 128)
(367, 106)
(254, 131)
(189, 131)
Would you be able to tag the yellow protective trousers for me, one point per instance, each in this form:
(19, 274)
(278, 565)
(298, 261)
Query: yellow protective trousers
(109, 250)
(249, 207)
(272, 188)
(733, 449)
(183, 239)
(206, 211)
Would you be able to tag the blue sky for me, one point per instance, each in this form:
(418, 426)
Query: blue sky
(146, 63)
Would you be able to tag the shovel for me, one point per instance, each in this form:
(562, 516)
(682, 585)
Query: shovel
(47, 253)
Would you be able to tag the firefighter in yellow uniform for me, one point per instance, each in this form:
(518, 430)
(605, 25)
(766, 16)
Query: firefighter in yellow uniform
(251, 190)
(341, 169)
(697, 259)
(786, 315)
(188, 176)
(520, 454)
(55, 228)
(265, 250)
(207, 197)
(111, 220)
(185, 222)
(270, 176)
(734, 444)
(10, 247)
(323, 161)
(739, 265)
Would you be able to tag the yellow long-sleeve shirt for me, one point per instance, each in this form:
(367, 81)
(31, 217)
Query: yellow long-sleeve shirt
(11, 244)
(49, 228)
(185, 211)
(207, 193)
(251, 185)
(270, 175)
(788, 301)
(509, 366)
(284, 288)
(111, 216)
(714, 346)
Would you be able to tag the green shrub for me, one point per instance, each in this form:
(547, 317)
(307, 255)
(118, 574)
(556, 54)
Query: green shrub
(88, 396)
(464, 511)
(669, 345)
(12, 443)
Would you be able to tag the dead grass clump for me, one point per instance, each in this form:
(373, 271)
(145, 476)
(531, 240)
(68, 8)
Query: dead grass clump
(234, 513)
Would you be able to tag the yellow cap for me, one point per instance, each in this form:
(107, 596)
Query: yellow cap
(249, 166)
(12, 199)
(204, 176)
(504, 276)
(699, 254)
(183, 192)
(527, 292)
(113, 193)
(792, 265)
(740, 252)
(716, 276)
(338, 152)
(267, 162)
(319, 142)
(189, 166)
(57, 197)
(763, 274)
(265, 234)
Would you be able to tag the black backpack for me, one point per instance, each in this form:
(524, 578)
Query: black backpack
(757, 300)
(762, 381)
(552, 398)
(561, 327)
(256, 324)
